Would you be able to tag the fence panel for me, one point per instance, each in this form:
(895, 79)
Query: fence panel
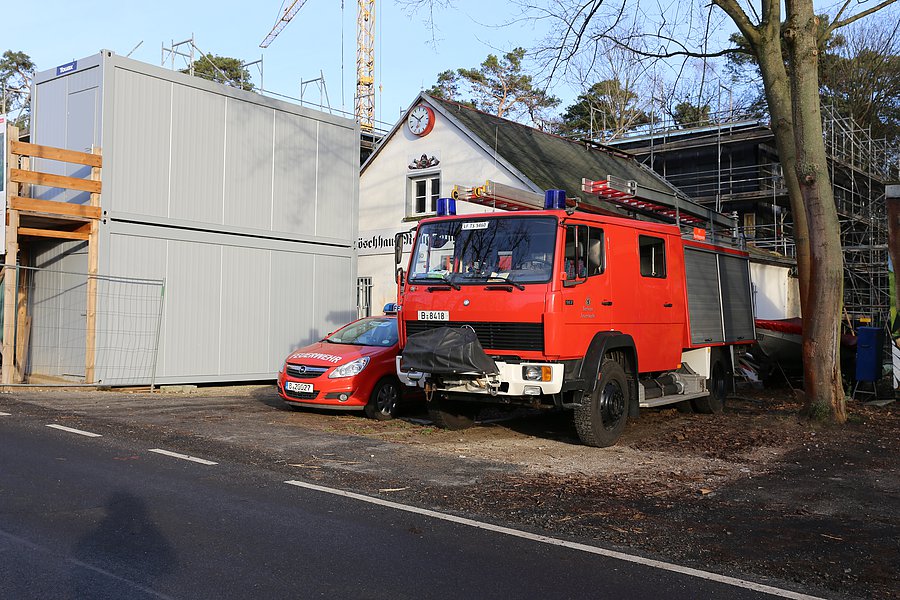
(51, 331)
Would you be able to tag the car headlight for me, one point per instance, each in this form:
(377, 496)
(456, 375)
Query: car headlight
(350, 369)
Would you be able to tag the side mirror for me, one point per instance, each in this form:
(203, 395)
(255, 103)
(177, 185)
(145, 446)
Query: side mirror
(398, 247)
(399, 276)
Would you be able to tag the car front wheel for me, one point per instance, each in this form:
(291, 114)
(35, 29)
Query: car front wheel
(383, 401)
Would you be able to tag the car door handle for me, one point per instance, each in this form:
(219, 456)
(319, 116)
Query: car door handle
(606, 303)
(668, 305)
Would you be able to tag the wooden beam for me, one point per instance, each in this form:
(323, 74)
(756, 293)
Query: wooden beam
(53, 207)
(60, 154)
(7, 371)
(60, 181)
(53, 233)
(9, 297)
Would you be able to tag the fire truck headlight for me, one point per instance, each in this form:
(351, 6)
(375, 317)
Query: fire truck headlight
(350, 369)
(536, 373)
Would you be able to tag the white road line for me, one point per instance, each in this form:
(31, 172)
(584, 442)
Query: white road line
(202, 461)
(3, 414)
(71, 430)
(657, 564)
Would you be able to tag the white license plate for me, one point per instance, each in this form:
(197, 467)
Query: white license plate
(294, 386)
(434, 315)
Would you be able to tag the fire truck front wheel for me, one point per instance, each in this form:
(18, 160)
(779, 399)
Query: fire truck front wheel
(601, 417)
(452, 414)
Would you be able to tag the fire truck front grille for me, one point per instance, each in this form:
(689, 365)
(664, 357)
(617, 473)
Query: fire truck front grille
(491, 335)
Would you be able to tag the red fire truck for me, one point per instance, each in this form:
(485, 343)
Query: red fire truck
(564, 308)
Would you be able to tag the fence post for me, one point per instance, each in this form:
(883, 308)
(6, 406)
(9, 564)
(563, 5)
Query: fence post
(90, 357)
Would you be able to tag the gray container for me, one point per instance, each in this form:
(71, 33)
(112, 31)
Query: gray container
(243, 204)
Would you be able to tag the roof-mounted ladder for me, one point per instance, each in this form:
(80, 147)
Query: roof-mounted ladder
(626, 193)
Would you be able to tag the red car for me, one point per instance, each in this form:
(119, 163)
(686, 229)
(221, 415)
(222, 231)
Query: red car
(351, 369)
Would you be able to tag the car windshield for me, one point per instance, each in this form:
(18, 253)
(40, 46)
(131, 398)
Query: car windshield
(485, 250)
(373, 331)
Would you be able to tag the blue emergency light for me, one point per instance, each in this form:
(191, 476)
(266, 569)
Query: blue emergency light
(554, 199)
(446, 206)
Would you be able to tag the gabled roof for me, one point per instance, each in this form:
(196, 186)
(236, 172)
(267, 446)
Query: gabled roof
(551, 161)
(546, 161)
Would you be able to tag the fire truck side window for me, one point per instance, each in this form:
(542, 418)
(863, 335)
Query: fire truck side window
(653, 256)
(584, 252)
(576, 255)
(596, 257)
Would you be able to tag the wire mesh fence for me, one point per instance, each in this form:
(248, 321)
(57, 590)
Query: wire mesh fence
(53, 336)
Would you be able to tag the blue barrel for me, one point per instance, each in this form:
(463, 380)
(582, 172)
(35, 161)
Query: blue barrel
(869, 347)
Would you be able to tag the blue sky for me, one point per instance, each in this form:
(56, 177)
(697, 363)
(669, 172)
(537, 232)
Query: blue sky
(56, 32)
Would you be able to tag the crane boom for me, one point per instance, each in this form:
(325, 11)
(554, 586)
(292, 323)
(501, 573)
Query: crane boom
(289, 13)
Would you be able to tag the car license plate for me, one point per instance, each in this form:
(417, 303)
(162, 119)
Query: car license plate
(434, 315)
(294, 386)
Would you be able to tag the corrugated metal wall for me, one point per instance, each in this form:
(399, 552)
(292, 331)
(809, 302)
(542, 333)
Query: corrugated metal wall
(238, 201)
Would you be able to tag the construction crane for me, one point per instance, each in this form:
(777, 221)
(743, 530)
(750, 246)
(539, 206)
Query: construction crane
(364, 100)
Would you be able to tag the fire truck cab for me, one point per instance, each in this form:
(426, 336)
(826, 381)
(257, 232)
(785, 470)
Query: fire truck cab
(557, 308)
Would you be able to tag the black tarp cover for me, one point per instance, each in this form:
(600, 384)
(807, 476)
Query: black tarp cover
(446, 350)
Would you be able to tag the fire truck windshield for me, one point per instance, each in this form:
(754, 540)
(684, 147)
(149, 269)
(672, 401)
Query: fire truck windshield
(483, 249)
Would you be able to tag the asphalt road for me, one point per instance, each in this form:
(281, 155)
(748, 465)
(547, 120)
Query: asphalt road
(105, 517)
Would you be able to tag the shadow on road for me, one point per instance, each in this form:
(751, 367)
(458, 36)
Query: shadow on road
(125, 551)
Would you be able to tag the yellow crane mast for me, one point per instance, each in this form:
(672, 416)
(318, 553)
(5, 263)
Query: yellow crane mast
(365, 56)
(365, 64)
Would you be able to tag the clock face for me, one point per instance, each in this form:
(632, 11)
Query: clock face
(421, 120)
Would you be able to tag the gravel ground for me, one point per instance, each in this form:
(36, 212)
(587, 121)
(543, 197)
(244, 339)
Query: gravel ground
(757, 491)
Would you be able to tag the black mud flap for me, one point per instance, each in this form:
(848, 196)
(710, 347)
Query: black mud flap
(446, 350)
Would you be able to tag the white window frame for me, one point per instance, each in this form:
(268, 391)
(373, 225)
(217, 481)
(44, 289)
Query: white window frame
(430, 193)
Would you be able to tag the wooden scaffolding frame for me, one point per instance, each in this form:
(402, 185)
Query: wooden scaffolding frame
(33, 218)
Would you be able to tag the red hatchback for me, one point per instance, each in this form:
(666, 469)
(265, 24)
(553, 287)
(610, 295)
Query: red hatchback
(351, 369)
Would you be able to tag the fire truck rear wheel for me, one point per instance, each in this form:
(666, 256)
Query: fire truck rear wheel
(452, 414)
(718, 385)
(601, 417)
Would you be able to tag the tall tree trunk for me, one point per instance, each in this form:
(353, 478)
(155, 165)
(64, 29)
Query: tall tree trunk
(824, 296)
(893, 214)
(778, 96)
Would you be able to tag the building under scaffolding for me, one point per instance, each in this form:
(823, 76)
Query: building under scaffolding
(733, 166)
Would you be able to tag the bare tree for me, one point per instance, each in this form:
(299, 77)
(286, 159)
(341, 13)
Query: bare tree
(617, 92)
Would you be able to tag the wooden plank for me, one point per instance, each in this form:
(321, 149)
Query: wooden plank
(60, 154)
(54, 208)
(53, 233)
(60, 181)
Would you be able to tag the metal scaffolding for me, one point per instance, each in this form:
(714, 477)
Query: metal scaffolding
(729, 162)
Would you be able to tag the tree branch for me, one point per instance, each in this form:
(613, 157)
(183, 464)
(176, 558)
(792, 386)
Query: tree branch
(740, 18)
(836, 24)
